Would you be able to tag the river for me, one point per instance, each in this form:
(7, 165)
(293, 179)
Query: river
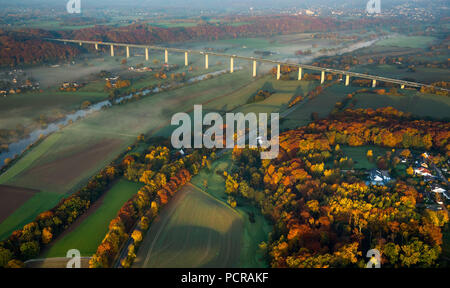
(17, 148)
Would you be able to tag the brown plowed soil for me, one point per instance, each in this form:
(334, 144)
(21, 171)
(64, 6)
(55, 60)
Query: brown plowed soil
(12, 198)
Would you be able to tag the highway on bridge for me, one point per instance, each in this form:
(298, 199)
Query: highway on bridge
(348, 74)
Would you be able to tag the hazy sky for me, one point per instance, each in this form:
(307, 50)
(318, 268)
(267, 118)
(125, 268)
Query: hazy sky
(198, 3)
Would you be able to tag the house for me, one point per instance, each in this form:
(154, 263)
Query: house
(379, 177)
(422, 171)
(437, 189)
(440, 190)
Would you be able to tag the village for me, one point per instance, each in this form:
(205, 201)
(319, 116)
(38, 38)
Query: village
(16, 81)
(431, 178)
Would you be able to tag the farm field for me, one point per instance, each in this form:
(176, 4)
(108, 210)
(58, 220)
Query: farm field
(12, 198)
(419, 104)
(237, 100)
(194, 230)
(27, 212)
(81, 149)
(407, 41)
(422, 74)
(88, 231)
(322, 104)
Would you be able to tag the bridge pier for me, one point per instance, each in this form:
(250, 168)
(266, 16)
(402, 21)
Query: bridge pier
(206, 61)
(231, 65)
(128, 52)
(374, 83)
(322, 77)
(81, 44)
(166, 56)
(186, 60)
(96, 46)
(112, 50)
(146, 54)
(347, 80)
(300, 72)
(278, 72)
(254, 68)
(402, 86)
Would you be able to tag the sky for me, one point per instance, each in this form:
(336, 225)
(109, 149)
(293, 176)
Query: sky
(207, 4)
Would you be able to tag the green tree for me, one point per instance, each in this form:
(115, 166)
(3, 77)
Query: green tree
(5, 256)
(30, 250)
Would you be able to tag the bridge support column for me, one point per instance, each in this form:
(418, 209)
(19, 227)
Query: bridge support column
(186, 60)
(166, 56)
(300, 72)
(128, 52)
(206, 61)
(146, 54)
(278, 72)
(112, 51)
(347, 80)
(231, 65)
(96, 46)
(402, 86)
(254, 68)
(374, 83)
(322, 77)
(81, 44)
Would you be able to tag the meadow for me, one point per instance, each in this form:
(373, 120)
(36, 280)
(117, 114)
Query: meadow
(88, 231)
(358, 155)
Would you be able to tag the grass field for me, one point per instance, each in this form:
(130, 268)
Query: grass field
(407, 41)
(358, 155)
(88, 232)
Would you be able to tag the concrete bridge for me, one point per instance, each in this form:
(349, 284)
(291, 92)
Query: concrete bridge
(301, 67)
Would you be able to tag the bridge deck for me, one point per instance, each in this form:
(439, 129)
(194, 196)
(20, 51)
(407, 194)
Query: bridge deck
(260, 60)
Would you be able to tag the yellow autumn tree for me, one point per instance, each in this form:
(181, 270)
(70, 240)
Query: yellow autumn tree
(46, 235)
(137, 236)
(410, 170)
